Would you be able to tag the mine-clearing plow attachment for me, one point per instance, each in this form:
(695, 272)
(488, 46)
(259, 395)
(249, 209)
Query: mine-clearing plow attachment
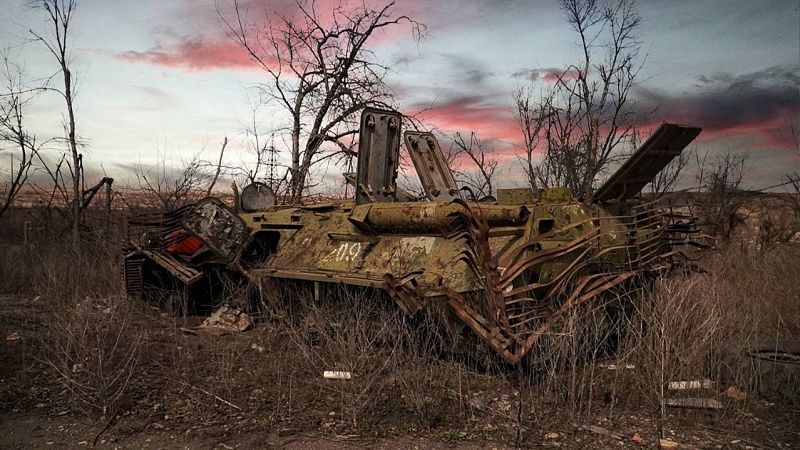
(508, 270)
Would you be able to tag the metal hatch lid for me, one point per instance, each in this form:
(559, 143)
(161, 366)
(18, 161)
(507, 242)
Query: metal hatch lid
(651, 157)
(378, 156)
(431, 166)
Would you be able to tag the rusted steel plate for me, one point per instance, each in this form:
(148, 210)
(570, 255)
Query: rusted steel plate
(218, 226)
(656, 152)
(434, 174)
(378, 156)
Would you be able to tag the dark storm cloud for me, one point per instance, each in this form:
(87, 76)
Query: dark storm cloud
(449, 78)
(465, 72)
(760, 102)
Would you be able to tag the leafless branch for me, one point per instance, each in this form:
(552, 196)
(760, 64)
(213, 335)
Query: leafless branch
(219, 168)
(481, 179)
(59, 16)
(15, 139)
(586, 114)
(320, 70)
(165, 187)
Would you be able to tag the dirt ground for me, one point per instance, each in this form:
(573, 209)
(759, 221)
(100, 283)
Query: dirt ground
(194, 391)
(37, 430)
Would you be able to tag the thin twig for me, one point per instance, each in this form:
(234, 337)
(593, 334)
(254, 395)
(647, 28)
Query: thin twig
(209, 393)
(103, 430)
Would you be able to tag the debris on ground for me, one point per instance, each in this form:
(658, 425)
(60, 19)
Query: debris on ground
(603, 431)
(336, 375)
(667, 444)
(551, 435)
(694, 384)
(258, 348)
(13, 336)
(226, 320)
(735, 393)
(617, 366)
(637, 438)
(699, 403)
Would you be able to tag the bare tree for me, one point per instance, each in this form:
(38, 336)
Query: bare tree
(262, 146)
(56, 194)
(59, 15)
(587, 112)
(531, 117)
(481, 179)
(14, 136)
(667, 179)
(793, 178)
(720, 178)
(566, 157)
(166, 187)
(255, 142)
(320, 70)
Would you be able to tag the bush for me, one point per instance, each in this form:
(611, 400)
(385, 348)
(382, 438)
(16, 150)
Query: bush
(95, 351)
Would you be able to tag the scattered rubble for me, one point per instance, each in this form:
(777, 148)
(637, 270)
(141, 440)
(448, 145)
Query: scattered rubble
(226, 320)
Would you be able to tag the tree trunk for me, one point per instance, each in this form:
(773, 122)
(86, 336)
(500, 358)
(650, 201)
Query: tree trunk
(219, 168)
(296, 187)
(77, 207)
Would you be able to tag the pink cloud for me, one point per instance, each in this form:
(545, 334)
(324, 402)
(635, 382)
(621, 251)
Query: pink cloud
(218, 52)
(195, 55)
(493, 124)
(467, 114)
(554, 76)
(768, 132)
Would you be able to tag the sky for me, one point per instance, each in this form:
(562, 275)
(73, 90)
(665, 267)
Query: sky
(160, 79)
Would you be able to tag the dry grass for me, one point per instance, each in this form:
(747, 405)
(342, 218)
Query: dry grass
(688, 326)
(113, 356)
(95, 351)
(392, 360)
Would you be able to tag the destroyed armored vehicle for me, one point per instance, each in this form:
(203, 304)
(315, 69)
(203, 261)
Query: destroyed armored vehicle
(506, 269)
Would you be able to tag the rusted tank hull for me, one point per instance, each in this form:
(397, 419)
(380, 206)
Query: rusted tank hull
(508, 273)
(507, 270)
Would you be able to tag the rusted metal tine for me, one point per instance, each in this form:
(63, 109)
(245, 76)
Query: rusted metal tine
(564, 274)
(518, 268)
(575, 299)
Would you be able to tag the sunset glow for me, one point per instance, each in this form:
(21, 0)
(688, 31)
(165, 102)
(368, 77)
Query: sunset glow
(164, 76)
